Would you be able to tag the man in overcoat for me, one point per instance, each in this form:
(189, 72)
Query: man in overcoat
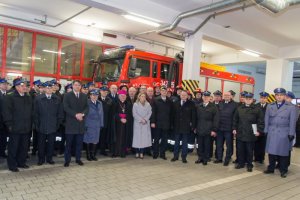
(280, 127)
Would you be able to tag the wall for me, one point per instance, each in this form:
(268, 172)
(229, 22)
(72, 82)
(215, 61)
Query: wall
(251, 68)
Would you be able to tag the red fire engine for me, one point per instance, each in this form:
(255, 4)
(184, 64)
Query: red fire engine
(126, 65)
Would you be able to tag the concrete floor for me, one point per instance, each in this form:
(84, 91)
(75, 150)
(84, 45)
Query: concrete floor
(131, 178)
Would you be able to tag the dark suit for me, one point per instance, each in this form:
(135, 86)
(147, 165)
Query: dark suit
(207, 121)
(115, 98)
(107, 105)
(184, 120)
(161, 117)
(74, 128)
(17, 116)
(3, 130)
(48, 115)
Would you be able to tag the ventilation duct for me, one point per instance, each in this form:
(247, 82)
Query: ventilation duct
(275, 6)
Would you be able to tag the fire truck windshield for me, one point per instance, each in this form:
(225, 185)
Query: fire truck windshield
(109, 70)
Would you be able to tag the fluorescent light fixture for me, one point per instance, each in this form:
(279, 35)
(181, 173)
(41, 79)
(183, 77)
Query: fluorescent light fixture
(251, 53)
(142, 20)
(36, 58)
(50, 51)
(95, 38)
(145, 17)
(13, 74)
(20, 63)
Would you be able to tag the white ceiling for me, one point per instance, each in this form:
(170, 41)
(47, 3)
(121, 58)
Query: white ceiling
(280, 30)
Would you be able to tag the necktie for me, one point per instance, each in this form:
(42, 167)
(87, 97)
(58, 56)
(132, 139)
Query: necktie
(182, 103)
(77, 95)
(49, 97)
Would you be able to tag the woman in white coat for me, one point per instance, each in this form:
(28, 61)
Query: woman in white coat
(141, 127)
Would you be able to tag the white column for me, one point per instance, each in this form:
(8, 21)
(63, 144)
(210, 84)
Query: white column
(279, 73)
(192, 57)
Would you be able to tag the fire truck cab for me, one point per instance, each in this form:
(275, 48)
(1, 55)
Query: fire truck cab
(133, 67)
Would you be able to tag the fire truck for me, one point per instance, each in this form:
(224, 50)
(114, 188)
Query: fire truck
(127, 65)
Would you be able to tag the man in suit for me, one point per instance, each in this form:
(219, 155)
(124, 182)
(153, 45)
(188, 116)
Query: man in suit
(161, 122)
(107, 104)
(184, 120)
(76, 108)
(260, 143)
(3, 130)
(48, 115)
(113, 93)
(17, 116)
(280, 126)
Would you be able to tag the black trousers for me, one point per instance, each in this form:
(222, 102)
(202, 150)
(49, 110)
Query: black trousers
(17, 149)
(3, 142)
(211, 151)
(34, 140)
(46, 146)
(224, 136)
(245, 151)
(259, 148)
(204, 147)
(103, 140)
(283, 162)
(160, 148)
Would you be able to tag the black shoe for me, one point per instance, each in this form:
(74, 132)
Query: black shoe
(14, 170)
(218, 161)
(268, 172)
(163, 157)
(204, 163)
(283, 175)
(184, 160)
(103, 153)
(66, 164)
(79, 162)
(235, 161)
(198, 161)
(93, 157)
(155, 157)
(3, 156)
(226, 163)
(51, 162)
(174, 159)
(249, 169)
(40, 163)
(23, 166)
(239, 166)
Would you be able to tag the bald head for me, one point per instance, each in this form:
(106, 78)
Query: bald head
(131, 92)
(113, 89)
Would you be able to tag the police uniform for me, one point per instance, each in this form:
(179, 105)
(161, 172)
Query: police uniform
(48, 115)
(214, 139)
(280, 125)
(3, 130)
(245, 118)
(260, 143)
(17, 113)
(207, 122)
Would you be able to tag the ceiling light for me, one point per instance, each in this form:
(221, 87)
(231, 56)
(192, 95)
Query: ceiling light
(50, 51)
(36, 58)
(19, 63)
(141, 20)
(95, 38)
(145, 17)
(14, 74)
(251, 53)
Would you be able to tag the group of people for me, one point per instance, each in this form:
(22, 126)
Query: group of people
(145, 120)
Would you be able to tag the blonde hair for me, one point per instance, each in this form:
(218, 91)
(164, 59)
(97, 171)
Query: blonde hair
(139, 96)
